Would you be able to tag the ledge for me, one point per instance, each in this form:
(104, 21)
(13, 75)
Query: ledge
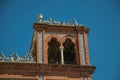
(60, 28)
(47, 69)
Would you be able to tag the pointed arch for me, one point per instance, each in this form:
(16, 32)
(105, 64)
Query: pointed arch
(53, 51)
(51, 48)
(70, 37)
(69, 51)
(52, 36)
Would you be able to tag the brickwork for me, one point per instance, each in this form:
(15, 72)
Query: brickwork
(61, 33)
(17, 77)
(33, 70)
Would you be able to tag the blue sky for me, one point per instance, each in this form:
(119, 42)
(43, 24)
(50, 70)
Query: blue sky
(101, 16)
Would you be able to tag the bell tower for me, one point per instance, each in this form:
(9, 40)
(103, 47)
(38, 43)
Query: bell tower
(62, 50)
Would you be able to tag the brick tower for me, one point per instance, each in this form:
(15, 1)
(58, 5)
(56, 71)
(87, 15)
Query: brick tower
(59, 52)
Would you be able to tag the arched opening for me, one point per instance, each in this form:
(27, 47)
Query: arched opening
(53, 51)
(69, 52)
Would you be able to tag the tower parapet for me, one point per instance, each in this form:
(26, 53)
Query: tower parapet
(51, 21)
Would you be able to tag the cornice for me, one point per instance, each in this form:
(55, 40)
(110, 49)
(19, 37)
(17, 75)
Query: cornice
(60, 28)
(35, 68)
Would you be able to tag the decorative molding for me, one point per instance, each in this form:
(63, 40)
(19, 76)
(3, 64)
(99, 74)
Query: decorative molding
(61, 34)
(60, 28)
(34, 69)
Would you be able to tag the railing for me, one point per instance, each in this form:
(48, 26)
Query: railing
(13, 57)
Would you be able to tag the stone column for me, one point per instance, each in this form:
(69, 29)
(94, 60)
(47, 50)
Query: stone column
(62, 56)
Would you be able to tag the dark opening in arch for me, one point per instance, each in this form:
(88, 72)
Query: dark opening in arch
(53, 51)
(69, 52)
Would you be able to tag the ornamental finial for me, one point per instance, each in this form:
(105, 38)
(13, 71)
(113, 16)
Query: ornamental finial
(40, 17)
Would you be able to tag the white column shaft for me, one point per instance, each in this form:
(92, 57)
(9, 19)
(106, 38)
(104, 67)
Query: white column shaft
(62, 56)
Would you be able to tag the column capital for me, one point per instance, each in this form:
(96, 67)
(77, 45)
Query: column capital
(61, 47)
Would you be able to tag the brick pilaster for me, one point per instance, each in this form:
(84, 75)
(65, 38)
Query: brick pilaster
(86, 48)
